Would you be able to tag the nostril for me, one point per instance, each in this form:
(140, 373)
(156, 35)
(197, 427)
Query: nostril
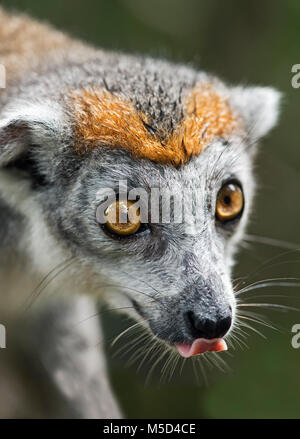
(207, 327)
(201, 328)
(224, 326)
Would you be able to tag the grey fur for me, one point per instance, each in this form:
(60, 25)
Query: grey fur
(49, 202)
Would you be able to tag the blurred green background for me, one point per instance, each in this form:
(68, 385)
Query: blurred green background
(252, 41)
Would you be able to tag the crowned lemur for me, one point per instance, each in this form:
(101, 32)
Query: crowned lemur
(76, 121)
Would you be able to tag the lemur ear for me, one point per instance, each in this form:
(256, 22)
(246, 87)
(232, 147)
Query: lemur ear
(21, 126)
(258, 107)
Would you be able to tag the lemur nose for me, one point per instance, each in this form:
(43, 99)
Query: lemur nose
(208, 327)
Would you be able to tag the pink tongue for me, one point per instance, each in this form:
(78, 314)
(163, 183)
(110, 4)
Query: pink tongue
(200, 346)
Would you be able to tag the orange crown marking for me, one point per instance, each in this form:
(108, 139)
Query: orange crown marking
(104, 118)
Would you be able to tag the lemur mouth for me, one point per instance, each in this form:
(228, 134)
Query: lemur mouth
(200, 346)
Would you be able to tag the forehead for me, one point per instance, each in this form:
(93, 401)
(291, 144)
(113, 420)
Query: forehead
(202, 113)
(217, 163)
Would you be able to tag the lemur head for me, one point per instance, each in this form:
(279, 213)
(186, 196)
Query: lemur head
(117, 123)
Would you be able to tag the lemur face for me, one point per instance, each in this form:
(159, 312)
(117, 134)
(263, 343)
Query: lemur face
(176, 275)
(150, 125)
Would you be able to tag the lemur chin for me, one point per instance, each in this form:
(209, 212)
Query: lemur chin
(74, 122)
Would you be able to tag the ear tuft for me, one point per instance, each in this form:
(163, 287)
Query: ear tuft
(258, 107)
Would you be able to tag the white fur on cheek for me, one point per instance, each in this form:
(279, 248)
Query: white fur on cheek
(38, 245)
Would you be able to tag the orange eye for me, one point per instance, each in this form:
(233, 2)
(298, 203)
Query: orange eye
(122, 218)
(230, 202)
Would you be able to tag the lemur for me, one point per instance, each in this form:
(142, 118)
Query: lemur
(74, 122)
